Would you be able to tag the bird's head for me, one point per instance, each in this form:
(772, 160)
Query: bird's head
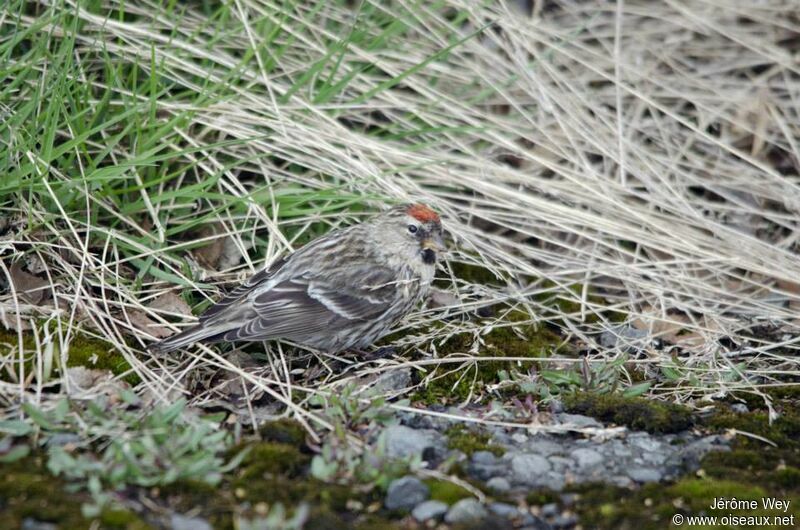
(413, 230)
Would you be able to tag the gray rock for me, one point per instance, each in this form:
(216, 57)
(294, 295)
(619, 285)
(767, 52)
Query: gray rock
(484, 465)
(740, 408)
(561, 463)
(544, 447)
(501, 509)
(181, 522)
(656, 458)
(465, 510)
(645, 474)
(621, 481)
(529, 469)
(405, 493)
(531, 522)
(688, 456)
(428, 510)
(393, 380)
(498, 484)
(580, 421)
(552, 480)
(519, 438)
(586, 458)
(484, 458)
(404, 442)
(550, 509)
(645, 443)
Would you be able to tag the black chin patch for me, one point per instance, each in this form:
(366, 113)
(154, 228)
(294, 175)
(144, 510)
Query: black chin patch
(428, 256)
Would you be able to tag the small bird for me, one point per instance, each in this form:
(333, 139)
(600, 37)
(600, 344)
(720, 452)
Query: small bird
(341, 291)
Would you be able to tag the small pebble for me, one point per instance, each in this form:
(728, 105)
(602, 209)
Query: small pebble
(428, 510)
(587, 458)
(644, 474)
(502, 509)
(498, 484)
(465, 510)
(405, 493)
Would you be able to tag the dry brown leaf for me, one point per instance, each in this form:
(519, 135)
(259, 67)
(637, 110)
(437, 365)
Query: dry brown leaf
(30, 288)
(141, 321)
(208, 255)
(86, 382)
(170, 302)
(221, 253)
(789, 287)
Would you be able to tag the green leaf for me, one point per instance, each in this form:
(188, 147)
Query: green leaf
(15, 427)
(18, 452)
(637, 390)
(38, 416)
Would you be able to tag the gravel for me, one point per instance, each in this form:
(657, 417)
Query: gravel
(498, 484)
(537, 460)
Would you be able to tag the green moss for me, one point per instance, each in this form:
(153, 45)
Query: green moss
(752, 461)
(634, 412)
(83, 351)
(447, 492)
(461, 438)
(122, 519)
(100, 355)
(524, 340)
(540, 497)
(784, 431)
(283, 431)
(268, 459)
(652, 506)
(28, 490)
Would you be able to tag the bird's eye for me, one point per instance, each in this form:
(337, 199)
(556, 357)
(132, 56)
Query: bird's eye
(413, 229)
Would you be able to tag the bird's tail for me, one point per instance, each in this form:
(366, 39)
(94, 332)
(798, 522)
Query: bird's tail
(182, 339)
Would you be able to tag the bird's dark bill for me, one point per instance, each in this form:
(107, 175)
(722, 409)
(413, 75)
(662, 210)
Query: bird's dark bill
(428, 256)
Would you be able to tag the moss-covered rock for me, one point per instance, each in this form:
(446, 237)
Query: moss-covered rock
(634, 412)
(468, 441)
(446, 492)
(752, 470)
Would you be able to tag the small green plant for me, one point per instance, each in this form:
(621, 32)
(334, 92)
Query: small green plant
(342, 457)
(119, 446)
(601, 378)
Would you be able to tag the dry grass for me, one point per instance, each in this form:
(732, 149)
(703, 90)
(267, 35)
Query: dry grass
(643, 152)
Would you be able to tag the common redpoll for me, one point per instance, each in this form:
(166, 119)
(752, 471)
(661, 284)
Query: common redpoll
(344, 290)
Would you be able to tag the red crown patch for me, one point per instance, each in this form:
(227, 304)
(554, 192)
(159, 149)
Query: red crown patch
(422, 213)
